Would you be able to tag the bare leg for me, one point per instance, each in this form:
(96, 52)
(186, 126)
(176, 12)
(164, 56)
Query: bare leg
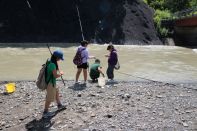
(47, 104)
(57, 97)
(85, 74)
(78, 74)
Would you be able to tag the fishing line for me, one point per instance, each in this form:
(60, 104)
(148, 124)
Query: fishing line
(136, 76)
(154, 80)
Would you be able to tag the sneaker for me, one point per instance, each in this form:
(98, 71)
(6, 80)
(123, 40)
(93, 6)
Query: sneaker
(77, 82)
(111, 80)
(85, 83)
(61, 107)
(47, 114)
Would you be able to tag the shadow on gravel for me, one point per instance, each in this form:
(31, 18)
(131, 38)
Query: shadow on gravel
(78, 87)
(43, 124)
(5, 93)
(112, 83)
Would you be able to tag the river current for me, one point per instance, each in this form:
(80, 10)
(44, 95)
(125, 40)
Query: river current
(159, 63)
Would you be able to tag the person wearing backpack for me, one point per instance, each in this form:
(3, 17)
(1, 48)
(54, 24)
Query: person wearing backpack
(112, 61)
(84, 64)
(51, 75)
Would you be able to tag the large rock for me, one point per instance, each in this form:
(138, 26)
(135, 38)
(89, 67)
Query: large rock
(103, 21)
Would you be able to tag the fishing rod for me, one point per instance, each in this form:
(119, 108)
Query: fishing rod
(80, 26)
(80, 22)
(58, 69)
(28, 4)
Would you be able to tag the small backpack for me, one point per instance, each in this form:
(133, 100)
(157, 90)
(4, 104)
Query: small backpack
(41, 80)
(77, 60)
(117, 66)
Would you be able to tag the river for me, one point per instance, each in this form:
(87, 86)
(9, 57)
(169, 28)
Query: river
(159, 63)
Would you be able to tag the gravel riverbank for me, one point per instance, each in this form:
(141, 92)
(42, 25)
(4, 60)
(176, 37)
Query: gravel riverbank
(119, 106)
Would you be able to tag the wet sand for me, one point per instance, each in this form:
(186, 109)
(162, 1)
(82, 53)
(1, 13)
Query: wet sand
(124, 105)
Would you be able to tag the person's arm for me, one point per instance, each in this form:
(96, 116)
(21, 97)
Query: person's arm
(92, 57)
(56, 75)
(88, 56)
(100, 70)
(106, 55)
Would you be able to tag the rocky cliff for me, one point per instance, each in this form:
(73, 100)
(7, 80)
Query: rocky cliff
(103, 21)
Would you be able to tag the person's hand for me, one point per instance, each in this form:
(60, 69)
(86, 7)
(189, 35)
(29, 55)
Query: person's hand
(92, 57)
(61, 73)
(106, 55)
(103, 75)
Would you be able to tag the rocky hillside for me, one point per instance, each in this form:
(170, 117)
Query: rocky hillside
(103, 21)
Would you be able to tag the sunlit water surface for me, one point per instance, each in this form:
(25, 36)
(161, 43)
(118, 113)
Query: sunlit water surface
(159, 63)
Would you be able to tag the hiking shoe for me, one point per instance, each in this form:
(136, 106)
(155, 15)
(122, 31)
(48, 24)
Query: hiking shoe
(47, 114)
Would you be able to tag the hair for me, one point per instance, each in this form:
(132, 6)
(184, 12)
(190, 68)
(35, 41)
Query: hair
(110, 46)
(84, 42)
(54, 60)
(97, 61)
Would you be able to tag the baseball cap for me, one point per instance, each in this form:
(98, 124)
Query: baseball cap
(59, 54)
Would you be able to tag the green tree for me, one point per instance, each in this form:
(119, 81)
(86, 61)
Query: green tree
(158, 16)
(155, 4)
(193, 3)
(172, 5)
(165, 8)
(177, 5)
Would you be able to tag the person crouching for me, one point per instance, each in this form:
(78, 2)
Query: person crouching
(95, 71)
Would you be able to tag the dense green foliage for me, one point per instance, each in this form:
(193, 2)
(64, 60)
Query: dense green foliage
(171, 5)
(158, 16)
(165, 9)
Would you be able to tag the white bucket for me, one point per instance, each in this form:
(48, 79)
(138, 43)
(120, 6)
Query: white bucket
(101, 81)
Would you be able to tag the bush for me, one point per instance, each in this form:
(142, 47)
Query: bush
(145, 1)
(165, 8)
(158, 16)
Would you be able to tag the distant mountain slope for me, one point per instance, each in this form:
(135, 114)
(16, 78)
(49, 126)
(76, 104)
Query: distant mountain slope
(117, 21)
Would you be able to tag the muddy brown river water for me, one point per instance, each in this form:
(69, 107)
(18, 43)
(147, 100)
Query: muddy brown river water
(159, 63)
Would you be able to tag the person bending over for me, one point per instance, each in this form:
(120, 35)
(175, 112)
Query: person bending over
(95, 70)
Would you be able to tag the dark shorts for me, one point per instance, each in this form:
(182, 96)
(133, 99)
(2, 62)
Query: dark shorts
(84, 66)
